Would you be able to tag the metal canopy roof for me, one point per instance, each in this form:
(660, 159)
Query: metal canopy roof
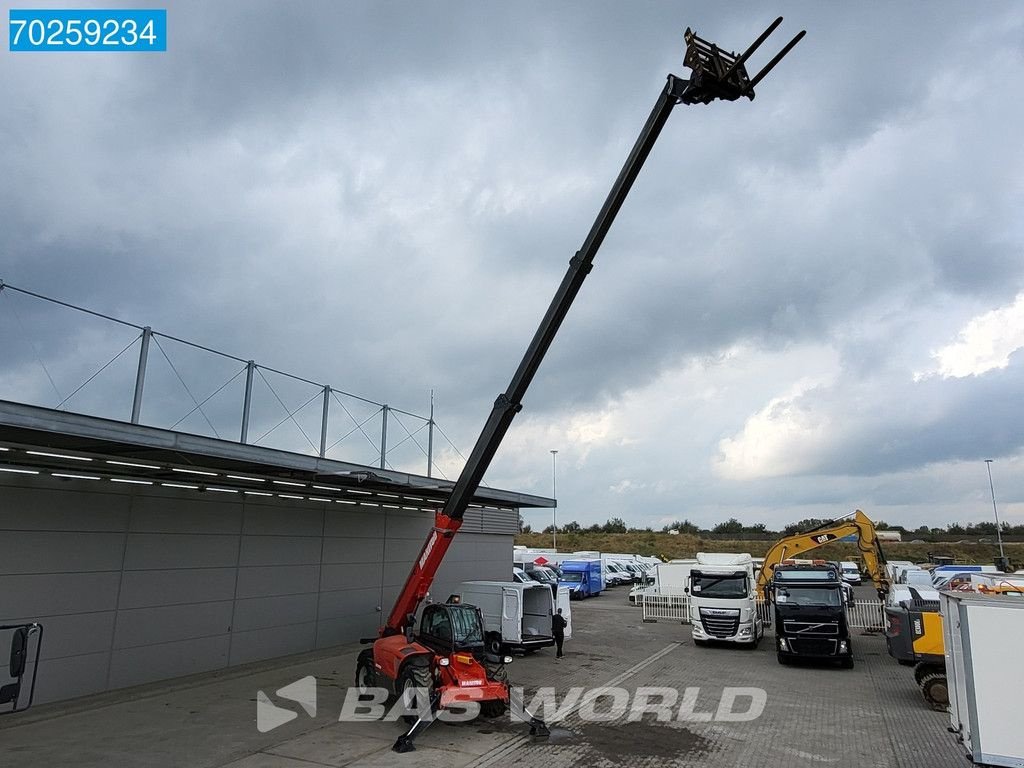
(69, 445)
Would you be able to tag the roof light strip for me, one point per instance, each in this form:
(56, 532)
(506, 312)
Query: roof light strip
(132, 464)
(58, 455)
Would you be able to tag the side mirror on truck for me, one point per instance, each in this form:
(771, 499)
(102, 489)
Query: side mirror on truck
(25, 642)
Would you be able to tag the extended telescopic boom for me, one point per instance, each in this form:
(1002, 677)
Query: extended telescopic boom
(715, 75)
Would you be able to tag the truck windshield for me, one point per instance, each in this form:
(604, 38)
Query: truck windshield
(574, 576)
(808, 596)
(730, 586)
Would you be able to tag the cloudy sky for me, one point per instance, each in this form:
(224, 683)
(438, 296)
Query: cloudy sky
(811, 302)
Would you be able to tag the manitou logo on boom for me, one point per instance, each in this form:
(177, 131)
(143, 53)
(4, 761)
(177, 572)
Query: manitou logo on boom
(427, 549)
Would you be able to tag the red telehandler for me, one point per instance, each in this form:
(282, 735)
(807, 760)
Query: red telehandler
(444, 661)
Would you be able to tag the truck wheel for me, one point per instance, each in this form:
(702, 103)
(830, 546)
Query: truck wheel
(783, 658)
(936, 690)
(411, 677)
(365, 675)
(846, 662)
(494, 643)
(701, 643)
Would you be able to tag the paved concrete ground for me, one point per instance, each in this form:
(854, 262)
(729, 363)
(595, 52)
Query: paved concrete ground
(872, 715)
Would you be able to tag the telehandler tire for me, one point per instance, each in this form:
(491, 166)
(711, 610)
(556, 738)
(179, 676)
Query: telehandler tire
(414, 676)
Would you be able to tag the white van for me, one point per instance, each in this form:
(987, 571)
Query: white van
(850, 571)
(517, 616)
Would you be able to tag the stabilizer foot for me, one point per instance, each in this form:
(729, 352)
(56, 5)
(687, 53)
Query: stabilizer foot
(539, 728)
(403, 744)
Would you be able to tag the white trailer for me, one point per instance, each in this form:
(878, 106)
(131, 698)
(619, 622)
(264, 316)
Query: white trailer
(982, 648)
(517, 616)
(723, 599)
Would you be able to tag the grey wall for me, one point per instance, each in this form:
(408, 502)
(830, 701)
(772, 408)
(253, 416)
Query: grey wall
(135, 584)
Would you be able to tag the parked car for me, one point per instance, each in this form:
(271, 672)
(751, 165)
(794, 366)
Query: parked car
(545, 576)
(615, 575)
(851, 572)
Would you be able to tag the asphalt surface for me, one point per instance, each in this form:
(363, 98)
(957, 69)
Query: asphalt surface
(872, 715)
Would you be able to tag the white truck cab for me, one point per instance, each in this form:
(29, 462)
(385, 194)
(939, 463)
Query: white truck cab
(723, 599)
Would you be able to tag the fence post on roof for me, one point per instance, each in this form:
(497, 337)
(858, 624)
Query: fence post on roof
(140, 376)
(323, 421)
(384, 435)
(250, 368)
(430, 437)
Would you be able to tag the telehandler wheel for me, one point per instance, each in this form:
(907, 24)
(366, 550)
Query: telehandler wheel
(365, 676)
(494, 645)
(936, 690)
(412, 677)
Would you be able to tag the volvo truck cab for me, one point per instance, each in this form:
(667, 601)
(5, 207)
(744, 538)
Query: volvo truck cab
(810, 613)
(723, 599)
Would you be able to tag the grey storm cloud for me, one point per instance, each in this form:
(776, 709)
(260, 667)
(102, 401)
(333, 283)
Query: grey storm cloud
(384, 196)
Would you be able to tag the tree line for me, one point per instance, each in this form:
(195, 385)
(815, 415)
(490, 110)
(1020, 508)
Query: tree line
(758, 530)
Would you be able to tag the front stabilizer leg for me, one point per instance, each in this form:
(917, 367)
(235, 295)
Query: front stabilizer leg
(539, 728)
(404, 743)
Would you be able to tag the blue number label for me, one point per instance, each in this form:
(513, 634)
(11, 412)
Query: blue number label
(87, 29)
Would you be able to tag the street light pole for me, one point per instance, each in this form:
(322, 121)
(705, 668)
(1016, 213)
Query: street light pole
(999, 532)
(554, 509)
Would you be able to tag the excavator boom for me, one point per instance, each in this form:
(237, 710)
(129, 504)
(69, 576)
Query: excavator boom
(867, 543)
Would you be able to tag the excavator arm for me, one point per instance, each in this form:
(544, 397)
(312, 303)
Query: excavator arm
(867, 544)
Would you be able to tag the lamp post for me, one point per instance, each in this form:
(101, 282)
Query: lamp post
(554, 509)
(999, 532)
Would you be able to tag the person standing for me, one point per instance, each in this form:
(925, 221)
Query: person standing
(558, 625)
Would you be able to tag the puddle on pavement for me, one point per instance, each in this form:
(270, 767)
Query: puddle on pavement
(620, 741)
(559, 736)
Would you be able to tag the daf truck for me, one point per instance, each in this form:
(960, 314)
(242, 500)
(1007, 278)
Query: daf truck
(723, 599)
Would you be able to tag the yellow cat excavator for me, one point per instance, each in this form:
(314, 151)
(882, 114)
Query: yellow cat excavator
(858, 524)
